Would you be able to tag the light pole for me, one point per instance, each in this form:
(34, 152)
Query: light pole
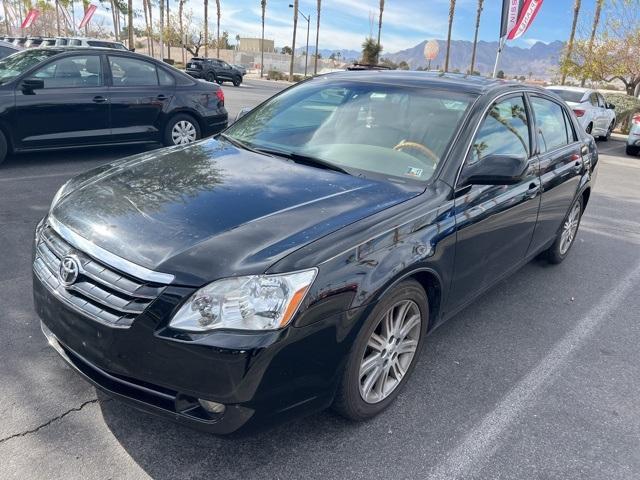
(308, 19)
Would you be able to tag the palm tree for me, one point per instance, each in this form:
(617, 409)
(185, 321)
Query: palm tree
(263, 4)
(475, 38)
(168, 29)
(130, 23)
(370, 51)
(594, 28)
(181, 26)
(380, 26)
(293, 43)
(206, 28)
(452, 11)
(572, 35)
(218, 29)
(161, 29)
(315, 61)
(150, 26)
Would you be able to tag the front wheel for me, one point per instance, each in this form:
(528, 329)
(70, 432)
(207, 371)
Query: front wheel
(609, 132)
(237, 81)
(385, 352)
(181, 130)
(567, 235)
(633, 150)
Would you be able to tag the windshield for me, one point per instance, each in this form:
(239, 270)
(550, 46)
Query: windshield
(364, 128)
(18, 63)
(569, 95)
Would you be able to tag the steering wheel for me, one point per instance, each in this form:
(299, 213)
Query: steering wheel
(418, 146)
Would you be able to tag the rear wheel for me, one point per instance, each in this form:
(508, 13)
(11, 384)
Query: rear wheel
(219, 82)
(181, 130)
(4, 148)
(211, 77)
(633, 150)
(567, 234)
(384, 353)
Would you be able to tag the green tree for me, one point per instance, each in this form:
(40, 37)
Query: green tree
(371, 51)
(594, 29)
(286, 50)
(500, 74)
(403, 65)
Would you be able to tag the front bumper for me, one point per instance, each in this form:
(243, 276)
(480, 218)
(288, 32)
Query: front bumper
(261, 378)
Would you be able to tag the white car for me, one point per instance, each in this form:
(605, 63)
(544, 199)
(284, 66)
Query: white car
(633, 142)
(596, 115)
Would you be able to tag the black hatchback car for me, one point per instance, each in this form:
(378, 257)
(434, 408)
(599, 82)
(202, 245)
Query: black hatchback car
(299, 260)
(60, 97)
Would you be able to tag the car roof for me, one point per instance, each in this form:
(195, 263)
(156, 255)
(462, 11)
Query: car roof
(571, 89)
(80, 48)
(8, 45)
(449, 81)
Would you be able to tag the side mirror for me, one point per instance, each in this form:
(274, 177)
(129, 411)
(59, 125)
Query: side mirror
(243, 111)
(28, 85)
(610, 106)
(495, 170)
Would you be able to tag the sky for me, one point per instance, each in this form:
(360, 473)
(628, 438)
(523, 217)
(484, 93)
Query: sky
(345, 23)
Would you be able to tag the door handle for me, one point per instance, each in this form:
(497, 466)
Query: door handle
(99, 99)
(533, 190)
(161, 97)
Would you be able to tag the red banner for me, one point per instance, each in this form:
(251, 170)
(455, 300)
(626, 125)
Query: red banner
(30, 18)
(87, 15)
(527, 15)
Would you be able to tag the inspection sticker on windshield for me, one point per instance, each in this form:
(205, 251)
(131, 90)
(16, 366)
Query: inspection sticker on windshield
(414, 172)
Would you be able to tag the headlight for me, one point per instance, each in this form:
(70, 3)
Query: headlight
(256, 302)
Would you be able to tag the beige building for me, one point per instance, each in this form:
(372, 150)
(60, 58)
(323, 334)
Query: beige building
(246, 44)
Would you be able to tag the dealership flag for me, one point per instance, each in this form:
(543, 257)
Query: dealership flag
(87, 15)
(528, 13)
(30, 18)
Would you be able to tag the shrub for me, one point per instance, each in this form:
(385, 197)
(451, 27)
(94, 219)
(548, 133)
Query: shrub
(626, 106)
(275, 75)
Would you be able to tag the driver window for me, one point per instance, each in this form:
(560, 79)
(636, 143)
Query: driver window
(131, 72)
(80, 71)
(504, 131)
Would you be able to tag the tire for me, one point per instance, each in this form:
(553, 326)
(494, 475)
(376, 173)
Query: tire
(219, 82)
(211, 77)
(237, 81)
(633, 150)
(609, 132)
(181, 129)
(4, 147)
(560, 250)
(350, 400)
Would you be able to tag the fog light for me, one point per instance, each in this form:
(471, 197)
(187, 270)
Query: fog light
(212, 407)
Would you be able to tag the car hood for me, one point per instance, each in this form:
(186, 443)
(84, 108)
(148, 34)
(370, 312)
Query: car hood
(212, 210)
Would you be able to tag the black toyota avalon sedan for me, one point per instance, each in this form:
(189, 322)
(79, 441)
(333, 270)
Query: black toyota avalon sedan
(299, 260)
(61, 97)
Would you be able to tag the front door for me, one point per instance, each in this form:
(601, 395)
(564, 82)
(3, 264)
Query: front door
(72, 109)
(495, 223)
(140, 92)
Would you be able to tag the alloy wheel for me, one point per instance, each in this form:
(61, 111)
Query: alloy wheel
(390, 351)
(183, 132)
(570, 228)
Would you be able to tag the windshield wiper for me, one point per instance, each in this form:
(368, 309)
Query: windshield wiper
(304, 159)
(238, 143)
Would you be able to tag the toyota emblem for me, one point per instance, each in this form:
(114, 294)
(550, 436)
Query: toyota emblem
(69, 270)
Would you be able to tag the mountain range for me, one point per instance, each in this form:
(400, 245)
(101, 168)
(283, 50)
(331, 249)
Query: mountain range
(541, 59)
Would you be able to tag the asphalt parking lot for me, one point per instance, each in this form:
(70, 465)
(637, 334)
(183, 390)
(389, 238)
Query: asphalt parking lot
(538, 379)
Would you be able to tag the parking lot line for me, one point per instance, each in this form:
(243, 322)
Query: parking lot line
(480, 443)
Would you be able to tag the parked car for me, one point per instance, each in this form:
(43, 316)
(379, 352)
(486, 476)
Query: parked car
(214, 70)
(7, 49)
(95, 42)
(596, 116)
(633, 142)
(58, 97)
(299, 259)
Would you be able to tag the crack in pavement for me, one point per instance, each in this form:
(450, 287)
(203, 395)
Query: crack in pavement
(46, 424)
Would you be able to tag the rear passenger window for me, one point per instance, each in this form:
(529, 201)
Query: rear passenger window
(505, 131)
(166, 79)
(571, 134)
(131, 72)
(551, 125)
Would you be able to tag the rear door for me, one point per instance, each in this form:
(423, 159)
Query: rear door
(495, 223)
(140, 92)
(561, 165)
(71, 110)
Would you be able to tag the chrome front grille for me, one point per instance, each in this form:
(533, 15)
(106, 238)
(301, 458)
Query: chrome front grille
(99, 292)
